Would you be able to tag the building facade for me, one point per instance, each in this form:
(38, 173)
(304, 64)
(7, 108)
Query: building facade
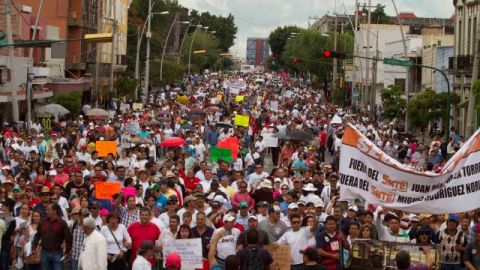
(258, 51)
(467, 15)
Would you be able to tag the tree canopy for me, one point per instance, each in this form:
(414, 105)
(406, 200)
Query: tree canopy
(224, 27)
(393, 102)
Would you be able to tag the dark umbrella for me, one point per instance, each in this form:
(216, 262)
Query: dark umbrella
(300, 135)
(282, 136)
(196, 114)
(223, 125)
(188, 127)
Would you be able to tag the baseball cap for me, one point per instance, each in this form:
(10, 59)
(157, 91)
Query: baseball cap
(243, 205)
(452, 217)
(353, 207)
(173, 260)
(228, 218)
(252, 217)
(293, 206)
(274, 208)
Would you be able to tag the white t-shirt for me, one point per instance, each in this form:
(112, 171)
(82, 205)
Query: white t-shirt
(141, 263)
(254, 178)
(121, 234)
(227, 245)
(200, 151)
(297, 241)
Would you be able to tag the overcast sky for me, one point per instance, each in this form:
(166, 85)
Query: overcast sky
(257, 18)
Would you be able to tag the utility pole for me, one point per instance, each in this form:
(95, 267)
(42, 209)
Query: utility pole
(11, 56)
(407, 77)
(114, 44)
(30, 58)
(335, 62)
(374, 80)
(147, 60)
(471, 123)
(166, 44)
(355, 48)
(137, 62)
(368, 83)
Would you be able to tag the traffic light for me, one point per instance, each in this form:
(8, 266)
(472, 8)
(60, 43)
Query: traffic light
(333, 54)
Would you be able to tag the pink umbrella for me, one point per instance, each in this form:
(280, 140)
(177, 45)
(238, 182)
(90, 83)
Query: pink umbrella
(173, 142)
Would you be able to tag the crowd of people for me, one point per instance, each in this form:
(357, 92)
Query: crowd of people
(276, 192)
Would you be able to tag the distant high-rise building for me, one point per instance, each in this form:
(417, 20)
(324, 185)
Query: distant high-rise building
(257, 51)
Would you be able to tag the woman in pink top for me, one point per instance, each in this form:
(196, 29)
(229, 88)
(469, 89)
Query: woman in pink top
(242, 195)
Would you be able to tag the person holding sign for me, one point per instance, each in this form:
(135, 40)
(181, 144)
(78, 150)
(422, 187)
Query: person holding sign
(330, 243)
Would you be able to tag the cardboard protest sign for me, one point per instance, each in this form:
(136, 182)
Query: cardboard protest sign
(105, 190)
(371, 254)
(220, 153)
(137, 107)
(190, 250)
(366, 172)
(280, 255)
(269, 140)
(105, 147)
(241, 120)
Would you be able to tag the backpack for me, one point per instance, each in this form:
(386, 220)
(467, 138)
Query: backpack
(254, 260)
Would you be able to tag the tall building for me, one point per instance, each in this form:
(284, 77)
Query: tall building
(467, 15)
(258, 51)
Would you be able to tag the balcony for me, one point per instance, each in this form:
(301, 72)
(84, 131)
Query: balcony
(460, 64)
(73, 62)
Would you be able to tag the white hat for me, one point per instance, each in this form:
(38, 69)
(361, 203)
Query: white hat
(319, 203)
(277, 180)
(353, 207)
(219, 198)
(293, 206)
(6, 168)
(310, 187)
(265, 184)
(228, 218)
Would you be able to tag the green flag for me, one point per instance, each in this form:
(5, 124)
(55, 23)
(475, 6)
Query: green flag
(220, 153)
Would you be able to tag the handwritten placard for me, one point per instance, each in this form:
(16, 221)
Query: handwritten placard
(269, 140)
(280, 255)
(106, 190)
(190, 250)
(106, 147)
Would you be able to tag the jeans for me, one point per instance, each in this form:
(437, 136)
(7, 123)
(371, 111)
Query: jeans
(74, 264)
(5, 257)
(296, 267)
(444, 266)
(52, 260)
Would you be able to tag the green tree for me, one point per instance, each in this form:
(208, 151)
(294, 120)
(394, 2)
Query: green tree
(224, 27)
(278, 39)
(203, 41)
(72, 101)
(379, 16)
(172, 70)
(393, 102)
(126, 85)
(429, 106)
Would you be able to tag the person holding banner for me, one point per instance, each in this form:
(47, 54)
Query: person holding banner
(393, 232)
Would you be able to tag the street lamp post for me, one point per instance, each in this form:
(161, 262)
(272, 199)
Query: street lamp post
(191, 46)
(149, 36)
(166, 42)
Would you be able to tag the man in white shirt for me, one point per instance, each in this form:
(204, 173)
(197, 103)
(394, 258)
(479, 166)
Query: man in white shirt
(200, 150)
(254, 178)
(296, 239)
(94, 251)
(225, 239)
(208, 178)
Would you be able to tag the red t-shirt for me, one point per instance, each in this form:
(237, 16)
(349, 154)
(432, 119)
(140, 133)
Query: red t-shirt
(322, 138)
(191, 183)
(140, 233)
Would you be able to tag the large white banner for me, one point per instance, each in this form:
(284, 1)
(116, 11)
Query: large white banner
(367, 172)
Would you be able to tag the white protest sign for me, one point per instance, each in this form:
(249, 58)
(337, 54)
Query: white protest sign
(190, 250)
(269, 140)
(274, 105)
(367, 172)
